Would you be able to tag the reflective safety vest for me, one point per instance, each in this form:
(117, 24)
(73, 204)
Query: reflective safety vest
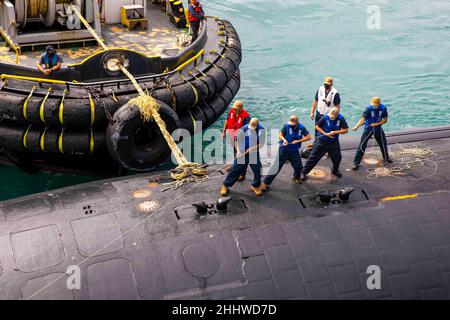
(330, 125)
(235, 121)
(375, 115)
(322, 107)
(293, 134)
(197, 9)
(50, 63)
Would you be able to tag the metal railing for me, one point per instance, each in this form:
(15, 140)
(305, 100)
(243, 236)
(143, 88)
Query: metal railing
(15, 47)
(103, 83)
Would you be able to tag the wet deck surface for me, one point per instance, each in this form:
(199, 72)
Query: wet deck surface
(160, 34)
(134, 241)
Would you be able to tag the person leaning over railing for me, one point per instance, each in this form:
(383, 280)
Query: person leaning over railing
(50, 61)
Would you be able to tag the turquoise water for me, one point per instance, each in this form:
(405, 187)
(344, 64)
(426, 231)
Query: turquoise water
(291, 45)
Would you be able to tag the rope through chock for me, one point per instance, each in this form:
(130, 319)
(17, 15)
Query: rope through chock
(186, 172)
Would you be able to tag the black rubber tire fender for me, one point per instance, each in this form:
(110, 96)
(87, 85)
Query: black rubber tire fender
(139, 146)
(219, 77)
(210, 84)
(210, 114)
(227, 65)
(187, 121)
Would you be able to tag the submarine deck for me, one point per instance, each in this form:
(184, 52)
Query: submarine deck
(161, 34)
(133, 241)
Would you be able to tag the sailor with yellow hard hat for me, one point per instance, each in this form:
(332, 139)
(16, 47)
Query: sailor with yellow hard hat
(327, 97)
(373, 118)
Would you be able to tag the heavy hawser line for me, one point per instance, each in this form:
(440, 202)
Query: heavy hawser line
(186, 172)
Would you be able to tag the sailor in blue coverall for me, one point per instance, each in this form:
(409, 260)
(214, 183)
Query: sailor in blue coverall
(292, 135)
(329, 127)
(374, 117)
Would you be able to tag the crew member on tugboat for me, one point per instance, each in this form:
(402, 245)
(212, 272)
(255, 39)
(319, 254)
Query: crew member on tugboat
(196, 14)
(50, 61)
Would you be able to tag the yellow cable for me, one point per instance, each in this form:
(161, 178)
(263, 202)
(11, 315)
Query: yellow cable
(91, 142)
(61, 141)
(25, 104)
(92, 108)
(42, 106)
(61, 107)
(42, 140)
(25, 135)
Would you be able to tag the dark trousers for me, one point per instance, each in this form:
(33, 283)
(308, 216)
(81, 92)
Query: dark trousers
(240, 168)
(380, 137)
(319, 150)
(195, 26)
(283, 156)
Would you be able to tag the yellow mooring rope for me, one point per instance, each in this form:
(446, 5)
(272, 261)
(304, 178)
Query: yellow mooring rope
(186, 171)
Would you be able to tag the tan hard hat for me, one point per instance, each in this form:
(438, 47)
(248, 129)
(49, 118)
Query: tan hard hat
(238, 105)
(328, 80)
(376, 101)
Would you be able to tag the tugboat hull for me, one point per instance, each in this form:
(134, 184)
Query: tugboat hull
(54, 122)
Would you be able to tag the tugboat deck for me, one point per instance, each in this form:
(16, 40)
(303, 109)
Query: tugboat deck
(134, 241)
(161, 34)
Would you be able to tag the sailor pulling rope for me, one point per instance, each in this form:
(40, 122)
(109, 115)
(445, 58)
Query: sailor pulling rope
(186, 171)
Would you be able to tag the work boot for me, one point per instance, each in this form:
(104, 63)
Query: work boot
(355, 167)
(224, 191)
(303, 177)
(264, 187)
(297, 180)
(337, 173)
(241, 178)
(257, 191)
(388, 161)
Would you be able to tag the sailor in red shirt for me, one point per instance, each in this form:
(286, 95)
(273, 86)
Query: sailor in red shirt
(237, 118)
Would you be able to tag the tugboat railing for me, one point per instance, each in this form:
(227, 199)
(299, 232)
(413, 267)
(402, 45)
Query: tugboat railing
(108, 83)
(15, 47)
(116, 82)
(101, 84)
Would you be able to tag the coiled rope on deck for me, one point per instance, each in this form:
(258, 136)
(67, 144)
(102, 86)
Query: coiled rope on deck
(186, 172)
(407, 159)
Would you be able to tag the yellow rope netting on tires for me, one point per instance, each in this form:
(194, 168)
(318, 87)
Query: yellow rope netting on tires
(186, 171)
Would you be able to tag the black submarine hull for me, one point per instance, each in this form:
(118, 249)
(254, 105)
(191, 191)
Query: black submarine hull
(130, 239)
